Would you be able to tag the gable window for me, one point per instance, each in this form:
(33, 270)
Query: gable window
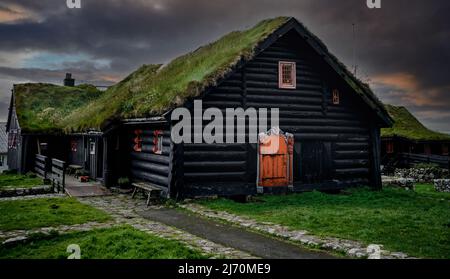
(137, 141)
(158, 142)
(336, 99)
(287, 77)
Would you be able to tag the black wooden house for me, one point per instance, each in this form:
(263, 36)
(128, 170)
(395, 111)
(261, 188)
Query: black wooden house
(332, 121)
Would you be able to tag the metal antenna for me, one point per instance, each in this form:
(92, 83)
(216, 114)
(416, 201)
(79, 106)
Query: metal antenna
(355, 67)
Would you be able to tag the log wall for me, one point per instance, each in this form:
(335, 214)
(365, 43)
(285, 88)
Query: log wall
(332, 141)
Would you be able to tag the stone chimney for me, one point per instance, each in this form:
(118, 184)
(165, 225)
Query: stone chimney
(69, 81)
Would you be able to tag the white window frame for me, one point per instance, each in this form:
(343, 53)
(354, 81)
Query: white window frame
(159, 145)
(281, 84)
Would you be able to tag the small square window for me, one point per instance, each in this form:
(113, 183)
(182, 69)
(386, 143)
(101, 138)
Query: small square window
(287, 77)
(336, 98)
(158, 142)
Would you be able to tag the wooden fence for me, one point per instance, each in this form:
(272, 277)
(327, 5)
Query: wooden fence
(58, 175)
(52, 169)
(42, 166)
(410, 159)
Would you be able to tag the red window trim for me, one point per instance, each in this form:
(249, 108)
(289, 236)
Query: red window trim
(74, 145)
(336, 97)
(389, 147)
(293, 77)
(138, 141)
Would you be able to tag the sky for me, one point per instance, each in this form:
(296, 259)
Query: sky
(402, 49)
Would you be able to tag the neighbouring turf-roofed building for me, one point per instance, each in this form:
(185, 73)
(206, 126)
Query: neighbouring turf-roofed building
(330, 121)
(409, 136)
(35, 121)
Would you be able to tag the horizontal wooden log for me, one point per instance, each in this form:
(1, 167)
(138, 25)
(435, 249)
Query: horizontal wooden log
(351, 154)
(148, 148)
(150, 167)
(214, 147)
(328, 137)
(268, 59)
(352, 146)
(214, 96)
(149, 140)
(273, 69)
(285, 99)
(274, 85)
(285, 106)
(280, 93)
(215, 166)
(215, 176)
(322, 121)
(224, 156)
(350, 163)
(221, 104)
(205, 189)
(149, 157)
(222, 89)
(159, 180)
(149, 133)
(323, 129)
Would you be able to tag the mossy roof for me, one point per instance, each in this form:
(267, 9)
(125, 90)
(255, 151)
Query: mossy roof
(113, 102)
(408, 126)
(41, 107)
(153, 90)
(184, 77)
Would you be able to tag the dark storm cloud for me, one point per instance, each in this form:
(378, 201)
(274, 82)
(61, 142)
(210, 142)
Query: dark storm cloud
(402, 47)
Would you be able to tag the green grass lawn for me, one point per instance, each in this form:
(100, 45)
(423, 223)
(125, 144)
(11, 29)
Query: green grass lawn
(115, 243)
(9, 181)
(34, 213)
(428, 190)
(417, 223)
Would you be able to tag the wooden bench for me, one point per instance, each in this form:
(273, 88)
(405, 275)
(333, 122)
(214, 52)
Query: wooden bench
(74, 170)
(146, 188)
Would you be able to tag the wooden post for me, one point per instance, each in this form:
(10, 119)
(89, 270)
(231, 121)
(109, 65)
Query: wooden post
(375, 171)
(176, 171)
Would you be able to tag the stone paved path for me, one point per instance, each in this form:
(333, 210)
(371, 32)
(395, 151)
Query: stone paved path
(125, 211)
(350, 247)
(232, 236)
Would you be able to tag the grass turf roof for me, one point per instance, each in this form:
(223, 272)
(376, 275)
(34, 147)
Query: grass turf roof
(42, 107)
(112, 103)
(407, 126)
(186, 76)
(153, 90)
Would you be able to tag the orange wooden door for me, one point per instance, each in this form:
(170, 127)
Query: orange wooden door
(274, 162)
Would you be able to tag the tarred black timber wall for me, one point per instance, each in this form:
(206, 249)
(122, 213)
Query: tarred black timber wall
(332, 142)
